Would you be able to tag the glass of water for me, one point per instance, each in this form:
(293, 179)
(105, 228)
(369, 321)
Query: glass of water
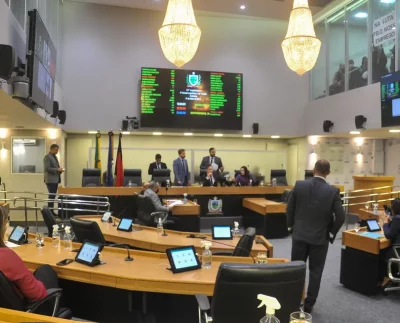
(300, 317)
(356, 227)
(39, 240)
(262, 258)
(367, 206)
(262, 183)
(195, 202)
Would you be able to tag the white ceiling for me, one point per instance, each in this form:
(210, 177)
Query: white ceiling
(273, 9)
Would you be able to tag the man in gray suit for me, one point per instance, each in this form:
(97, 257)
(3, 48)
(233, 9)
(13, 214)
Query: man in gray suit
(181, 169)
(211, 160)
(151, 192)
(52, 172)
(315, 213)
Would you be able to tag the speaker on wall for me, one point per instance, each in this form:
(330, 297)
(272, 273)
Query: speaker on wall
(55, 109)
(360, 122)
(62, 116)
(328, 126)
(125, 124)
(7, 61)
(255, 128)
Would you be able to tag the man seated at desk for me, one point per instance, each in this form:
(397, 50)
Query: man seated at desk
(151, 193)
(157, 165)
(212, 178)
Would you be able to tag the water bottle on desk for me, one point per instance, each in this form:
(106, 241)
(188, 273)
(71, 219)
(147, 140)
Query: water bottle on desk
(251, 182)
(160, 227)
(55, 237)
(130, 184)
(236, 231)
(67, 239)
(206, 258)
(274, 182)
(185, 198)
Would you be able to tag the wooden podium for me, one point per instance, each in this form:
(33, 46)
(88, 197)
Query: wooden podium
(369, 182)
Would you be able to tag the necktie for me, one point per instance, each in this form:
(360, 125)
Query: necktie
(211, 160)
(158, 166)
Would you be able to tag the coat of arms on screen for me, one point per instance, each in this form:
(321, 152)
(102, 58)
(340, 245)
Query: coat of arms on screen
(193, 79)
(215, 206)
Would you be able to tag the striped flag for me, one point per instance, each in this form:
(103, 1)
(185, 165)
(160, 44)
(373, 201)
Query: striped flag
(110, 178)
(97, 156)
(119, 166)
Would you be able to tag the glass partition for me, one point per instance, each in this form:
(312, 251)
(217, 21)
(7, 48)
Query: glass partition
(318, 79)
(27, 155)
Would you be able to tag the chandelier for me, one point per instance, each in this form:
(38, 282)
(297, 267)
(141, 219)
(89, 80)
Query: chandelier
(300, 46)
(179, 34)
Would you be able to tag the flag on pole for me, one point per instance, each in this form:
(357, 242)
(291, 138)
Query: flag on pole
(110, 179)
(97, 156)
(119, 166)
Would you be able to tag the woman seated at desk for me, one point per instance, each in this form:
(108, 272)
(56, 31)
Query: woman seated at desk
(391, 229)
(212, 178)
(31, 286)
(244, 177)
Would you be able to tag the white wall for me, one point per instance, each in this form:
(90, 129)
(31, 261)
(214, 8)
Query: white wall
(392, 159)
(105, 47)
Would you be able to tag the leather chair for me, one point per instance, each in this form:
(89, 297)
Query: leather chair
(144, 210)
(91, 177)
(244, 246)
(285, 196)
(394, 284)
(161, 176)
(134, 176)
(50, 220)
(87, 230)
(280, 175)
(237, 286)
(50, 305)
(308, 174)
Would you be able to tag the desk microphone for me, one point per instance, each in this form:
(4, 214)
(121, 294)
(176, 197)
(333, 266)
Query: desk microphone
(118, 216)
(128, 258)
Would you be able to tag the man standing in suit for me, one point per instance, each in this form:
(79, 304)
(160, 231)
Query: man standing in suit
(52, 172)
(157, 165)
(315, 213)
(181, 169)
(212, 160)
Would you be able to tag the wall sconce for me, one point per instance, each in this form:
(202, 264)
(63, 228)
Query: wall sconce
(52, 133)
(359, 141)
(3, 133)
(313, 140)
(3, 151)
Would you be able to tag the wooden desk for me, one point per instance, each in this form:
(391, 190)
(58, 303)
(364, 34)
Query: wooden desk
(189, 208)
(10, 316)
(148, 239)
(368, 215)
(148, 272)
(273, 223)
(361, 265)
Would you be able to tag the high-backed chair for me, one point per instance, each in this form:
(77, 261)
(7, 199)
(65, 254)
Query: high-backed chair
(50, 220)
(280, 175)
(87, 230)
(308, 174)
(134, 176)
(161, 176)
(237, 286)
(394, 263)
(91, 177)
(50, 305)
(244, 246)
(144, 210)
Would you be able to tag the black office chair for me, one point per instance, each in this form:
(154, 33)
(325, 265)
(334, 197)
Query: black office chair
(244, 246)
(161, 176)
(160, 215)
(280, 175)
(144, 210)
(308, 174)
(50, 305)
(237, 286)
(87, 230)
(394, 284)
(134, 176)
(285, 196)
(50, 220)
(91, 177)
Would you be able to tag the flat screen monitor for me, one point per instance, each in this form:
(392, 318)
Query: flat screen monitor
(390, 100)
(221, 232)
(191, 99)
(183, 259)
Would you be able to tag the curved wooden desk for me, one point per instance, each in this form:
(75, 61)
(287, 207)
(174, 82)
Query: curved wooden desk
(148, 272)
(10, 316)
(148, 239)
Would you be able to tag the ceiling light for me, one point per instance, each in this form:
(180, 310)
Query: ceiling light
(92, 132)
(394, 130)
(179, 34)
(157, 133)
(246, 136)
(188, 134)
(361, 15)
(218, 135)
(275, 137)
(354, 132)
(242, 7)
(125, 132)
(300, 46)
(388, 1)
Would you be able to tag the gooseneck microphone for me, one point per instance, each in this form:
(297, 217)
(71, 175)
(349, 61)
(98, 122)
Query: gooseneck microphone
(128, 258)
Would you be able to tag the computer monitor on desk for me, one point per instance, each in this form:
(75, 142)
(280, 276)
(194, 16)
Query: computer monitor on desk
(161, 176)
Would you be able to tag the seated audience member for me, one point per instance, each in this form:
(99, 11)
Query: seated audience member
(212, 178)
(337, 85)
(391, 229)
(151, 192)
(244, 177)
(31, 286)
(145, 187)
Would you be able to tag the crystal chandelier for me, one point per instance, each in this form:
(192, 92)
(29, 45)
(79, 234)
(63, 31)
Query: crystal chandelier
(300, 46)
(179, 34)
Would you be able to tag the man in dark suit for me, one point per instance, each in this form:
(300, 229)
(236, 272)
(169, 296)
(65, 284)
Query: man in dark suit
(212, 178)
(315, 213)
(52, 172)
(181, 169)
(157, 165)
(212, 160)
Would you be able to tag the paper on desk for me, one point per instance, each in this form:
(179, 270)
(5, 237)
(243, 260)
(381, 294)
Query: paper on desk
(171, 201)
(11, 244)
(176, 203)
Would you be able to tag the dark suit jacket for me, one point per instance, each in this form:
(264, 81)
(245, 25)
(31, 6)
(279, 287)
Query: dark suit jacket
(314, 210)
(217, 179)
(153, 166)
(206, 161)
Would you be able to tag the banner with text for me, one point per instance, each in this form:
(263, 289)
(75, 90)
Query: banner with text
(384, 29)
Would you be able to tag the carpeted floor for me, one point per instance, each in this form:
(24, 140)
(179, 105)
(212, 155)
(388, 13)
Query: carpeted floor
(338, 304)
